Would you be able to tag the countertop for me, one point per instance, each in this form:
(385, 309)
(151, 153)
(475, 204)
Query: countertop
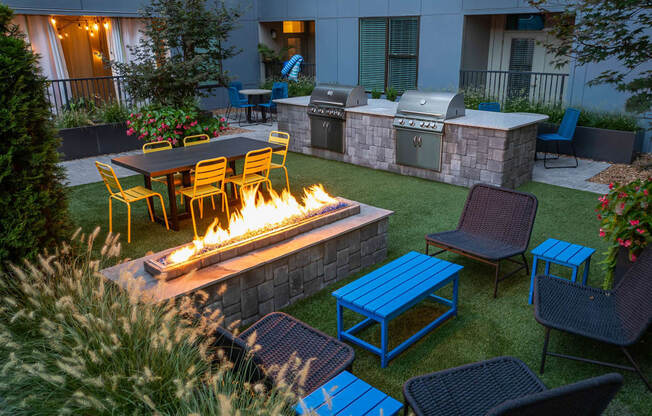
(472, 118)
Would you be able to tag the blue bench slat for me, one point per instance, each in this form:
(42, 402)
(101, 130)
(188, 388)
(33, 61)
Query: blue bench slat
(556, 249)
(581, 255)
(545, 246)
(417, 262)
(375, 274)
(391, 281)
(390, 406)
(402, 286)
(568, 252)
(344, 397)
(416, 291)
(333, 387)
(364, 403)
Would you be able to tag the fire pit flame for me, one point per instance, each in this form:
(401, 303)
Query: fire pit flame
(258, 215)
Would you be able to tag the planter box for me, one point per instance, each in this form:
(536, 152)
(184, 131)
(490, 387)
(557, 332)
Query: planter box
(598, 144)
(79, 142)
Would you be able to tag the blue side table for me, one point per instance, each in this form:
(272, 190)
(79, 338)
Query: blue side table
(345, 395)
(564, 254)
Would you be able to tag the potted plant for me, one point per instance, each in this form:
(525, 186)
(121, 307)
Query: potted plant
(625, 215)
(376, 94)
(391, 94)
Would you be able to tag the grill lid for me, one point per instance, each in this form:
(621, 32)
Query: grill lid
(430, 105)
(338, 96)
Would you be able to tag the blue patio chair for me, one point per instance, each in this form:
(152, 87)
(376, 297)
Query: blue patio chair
(493, 106)
(236, 104)
(277, 92)
(243, 99)
(564, 134)
(284, 86)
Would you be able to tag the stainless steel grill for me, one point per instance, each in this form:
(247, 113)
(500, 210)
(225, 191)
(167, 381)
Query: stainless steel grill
(327, 112)
(419, 122)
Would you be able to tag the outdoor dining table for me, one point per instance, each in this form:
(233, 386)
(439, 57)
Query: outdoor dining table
(183, 159)
(256, 92)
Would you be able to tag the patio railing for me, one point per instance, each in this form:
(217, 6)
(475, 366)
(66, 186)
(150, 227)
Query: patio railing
(544, 87)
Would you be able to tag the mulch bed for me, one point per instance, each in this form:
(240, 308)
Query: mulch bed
(621, 173)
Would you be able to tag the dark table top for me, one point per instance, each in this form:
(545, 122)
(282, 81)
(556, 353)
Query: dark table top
(184, 158)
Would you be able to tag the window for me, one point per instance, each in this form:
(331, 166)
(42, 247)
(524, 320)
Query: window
(389, 52)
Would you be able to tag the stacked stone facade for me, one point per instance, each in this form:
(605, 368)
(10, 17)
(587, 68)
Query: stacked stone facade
(470, 155)
(269, 287)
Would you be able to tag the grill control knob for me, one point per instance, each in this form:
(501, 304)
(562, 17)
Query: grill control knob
(411, 122)
(401, 121)
(422, 124)
(321, 111)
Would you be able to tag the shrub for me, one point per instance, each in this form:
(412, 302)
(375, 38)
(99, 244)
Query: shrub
(68, 118)
(391, 94)
(376, 94)
(172, 124)
(113, 112)
(72, 344)
(33, 201)
(303, 86)
(625, 218)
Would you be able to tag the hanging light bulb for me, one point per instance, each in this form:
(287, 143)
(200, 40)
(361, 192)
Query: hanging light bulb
(53, 20)
(92, 34)
(86, 27)
(66, 34)
(95, 27)
(60, 37)
(106, 25)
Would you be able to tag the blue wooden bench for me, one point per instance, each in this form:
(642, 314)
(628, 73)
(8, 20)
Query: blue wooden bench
(561, 253)
(392, 289)
(345, 394)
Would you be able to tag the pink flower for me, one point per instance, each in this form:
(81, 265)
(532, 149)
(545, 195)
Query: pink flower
(175, 141)
(128, 122)
(602, 233)
(215, 133)
(178, 126)
(622, 195)
(187, 117)
(131, 114)
(159, 138)
(634, 222)
(632, 257)
(186, 127)
(222, 128)
(627, 243)
(178, 132)
(640, 231)
(645, 192)
(205, 128)
(170, 139)
(611, 185)
(130, 131)
(151, 120)
(193, 124)
(222, 119)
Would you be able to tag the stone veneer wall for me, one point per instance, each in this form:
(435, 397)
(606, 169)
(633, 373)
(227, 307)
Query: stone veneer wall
(470, 154)
(270, 287)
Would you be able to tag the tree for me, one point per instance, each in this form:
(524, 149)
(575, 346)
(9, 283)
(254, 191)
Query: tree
(33, 201)
(597, 30)
(184, 45)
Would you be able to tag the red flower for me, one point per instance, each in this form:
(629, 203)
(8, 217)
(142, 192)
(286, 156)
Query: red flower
(222, 119)
(640, 230)
(205, 128)
(645, 192)
(215, 133)
(128, 122)
(130, 131)
(632, 257)
(602, 233)
(187, 117)
(599, 216)
(178, 126)
(611, 185)
(634, 222)
(193, 124)
(175, 141)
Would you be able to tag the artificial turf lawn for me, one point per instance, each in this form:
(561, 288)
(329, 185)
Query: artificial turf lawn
(484, 328)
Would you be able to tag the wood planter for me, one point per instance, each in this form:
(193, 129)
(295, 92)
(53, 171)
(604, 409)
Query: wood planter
(79, 142)
(615, 146)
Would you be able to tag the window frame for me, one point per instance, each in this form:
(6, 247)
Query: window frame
(387, 54)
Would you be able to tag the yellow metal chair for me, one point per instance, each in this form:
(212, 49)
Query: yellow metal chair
(157, 147)
(127, 196)
(255, 170)
(282, 138)
(196, 139)
(208, 173)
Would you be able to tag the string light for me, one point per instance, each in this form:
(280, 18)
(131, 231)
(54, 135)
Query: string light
(86, 27)
(95, 27)
(92, 34)
(53, 20)
(60, 37)
(106, 25)
(66, 34)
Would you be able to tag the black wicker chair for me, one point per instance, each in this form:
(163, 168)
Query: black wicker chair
(495, 225)
(279, 336)
(618, 317)
(505, 386)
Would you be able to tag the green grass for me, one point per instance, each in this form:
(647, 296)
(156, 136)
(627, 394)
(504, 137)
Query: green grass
(485, 327)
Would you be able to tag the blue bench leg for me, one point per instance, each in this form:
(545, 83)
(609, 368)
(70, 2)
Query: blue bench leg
(383, 343)
(547, 271)
(339, 321)
(574, 276)
(585, 275)
(534, 273)
(455, 290)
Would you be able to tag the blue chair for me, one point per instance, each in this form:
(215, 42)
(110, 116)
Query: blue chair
(564, 134)
(234, 101)
(284, 86)
(493, 106)
(238, 86)
(277, 92)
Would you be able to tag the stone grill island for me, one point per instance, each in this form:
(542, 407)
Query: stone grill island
(481, 146)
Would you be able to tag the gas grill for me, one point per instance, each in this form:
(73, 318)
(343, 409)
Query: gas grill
(419, 122)
(327, 113)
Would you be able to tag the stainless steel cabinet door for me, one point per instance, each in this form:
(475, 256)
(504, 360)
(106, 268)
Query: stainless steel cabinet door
(429, 156)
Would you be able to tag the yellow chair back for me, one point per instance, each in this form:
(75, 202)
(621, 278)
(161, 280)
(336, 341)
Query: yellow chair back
(257, 162)
(156, 146)
(210, 171)
(282, 138)
(196, 139)
(110, 180)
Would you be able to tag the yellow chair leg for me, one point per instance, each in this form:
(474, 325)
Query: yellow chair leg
(192, 215)
(201, 207)
(128, 222)
(165, 216)
(287, 178)
(225, 206)
(149, 208)
(110, 216)
(213, 201)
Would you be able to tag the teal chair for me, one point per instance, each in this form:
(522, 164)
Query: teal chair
(564, 134)
(493, 106)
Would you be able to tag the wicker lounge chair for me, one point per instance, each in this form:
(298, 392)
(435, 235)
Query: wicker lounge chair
(505, 386)
(495, 225)
(618, 317)
(279, 336)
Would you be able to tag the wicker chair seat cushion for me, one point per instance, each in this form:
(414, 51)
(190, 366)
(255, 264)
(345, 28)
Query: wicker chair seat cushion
(471, 389)
(475, 244)
(280, 335)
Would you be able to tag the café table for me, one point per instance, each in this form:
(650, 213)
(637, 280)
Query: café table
(256, 92)
(183, 159)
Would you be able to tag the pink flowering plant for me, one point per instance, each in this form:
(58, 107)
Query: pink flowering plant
(625, 221)
(172, 124)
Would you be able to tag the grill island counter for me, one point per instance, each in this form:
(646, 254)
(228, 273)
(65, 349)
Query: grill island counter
(479, 146)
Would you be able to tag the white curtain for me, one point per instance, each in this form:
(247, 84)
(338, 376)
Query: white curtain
(131, 35)
(114, 39)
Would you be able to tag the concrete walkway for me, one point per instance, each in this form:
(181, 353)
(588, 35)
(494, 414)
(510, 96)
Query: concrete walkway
(81, 171)
(574, 178)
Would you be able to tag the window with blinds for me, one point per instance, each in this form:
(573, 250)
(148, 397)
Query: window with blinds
(389, 51)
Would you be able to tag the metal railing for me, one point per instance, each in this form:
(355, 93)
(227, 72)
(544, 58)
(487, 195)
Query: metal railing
(274, 69)
(95, 91)
(542, 87)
